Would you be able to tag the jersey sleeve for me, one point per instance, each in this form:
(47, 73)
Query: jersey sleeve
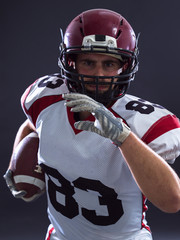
(44, 92)
(155, 125)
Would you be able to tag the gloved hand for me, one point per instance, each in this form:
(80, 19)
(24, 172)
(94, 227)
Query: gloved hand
(106, 124)
(8, 176)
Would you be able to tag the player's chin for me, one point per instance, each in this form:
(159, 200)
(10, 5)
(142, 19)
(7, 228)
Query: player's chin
(101, 96)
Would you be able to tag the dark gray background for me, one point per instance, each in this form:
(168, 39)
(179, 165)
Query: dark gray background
(29, 40)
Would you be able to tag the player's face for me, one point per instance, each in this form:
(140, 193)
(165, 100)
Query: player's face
(98, 65)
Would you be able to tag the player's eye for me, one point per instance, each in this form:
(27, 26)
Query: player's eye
(112, 65)
(87, 62)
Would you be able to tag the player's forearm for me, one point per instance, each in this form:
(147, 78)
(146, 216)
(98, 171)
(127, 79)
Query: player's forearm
(156, 179)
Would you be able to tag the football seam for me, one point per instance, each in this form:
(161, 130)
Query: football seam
(31, 180)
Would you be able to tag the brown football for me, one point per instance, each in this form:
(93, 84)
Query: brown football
(27, 174)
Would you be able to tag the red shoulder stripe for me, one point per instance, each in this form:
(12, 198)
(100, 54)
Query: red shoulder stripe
(24, 96)
(40, 104)
(160, 127)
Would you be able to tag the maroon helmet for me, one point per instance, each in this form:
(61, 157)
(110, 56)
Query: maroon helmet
(105, 32)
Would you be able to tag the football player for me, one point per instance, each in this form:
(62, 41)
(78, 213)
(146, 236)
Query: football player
(104, 152)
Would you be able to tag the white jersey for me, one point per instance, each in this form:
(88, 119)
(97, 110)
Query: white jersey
(91, 191)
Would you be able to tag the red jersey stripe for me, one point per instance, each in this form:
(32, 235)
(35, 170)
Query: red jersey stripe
(24, 96)
(163, 125)
(39, 105)
(50, 232)
(144, 209)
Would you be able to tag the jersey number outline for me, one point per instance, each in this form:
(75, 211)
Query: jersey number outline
(142, 107)
(106, 195)
(47, 82)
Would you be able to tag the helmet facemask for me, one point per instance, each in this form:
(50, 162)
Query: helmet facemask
(118, 85)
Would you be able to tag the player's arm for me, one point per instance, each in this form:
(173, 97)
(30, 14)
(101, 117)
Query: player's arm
(156, 179)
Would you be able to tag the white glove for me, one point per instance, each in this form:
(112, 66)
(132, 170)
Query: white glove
(8, 176)
(106, 124)
(11, 185)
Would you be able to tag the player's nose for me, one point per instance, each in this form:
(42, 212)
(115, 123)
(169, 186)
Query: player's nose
(99, 71)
